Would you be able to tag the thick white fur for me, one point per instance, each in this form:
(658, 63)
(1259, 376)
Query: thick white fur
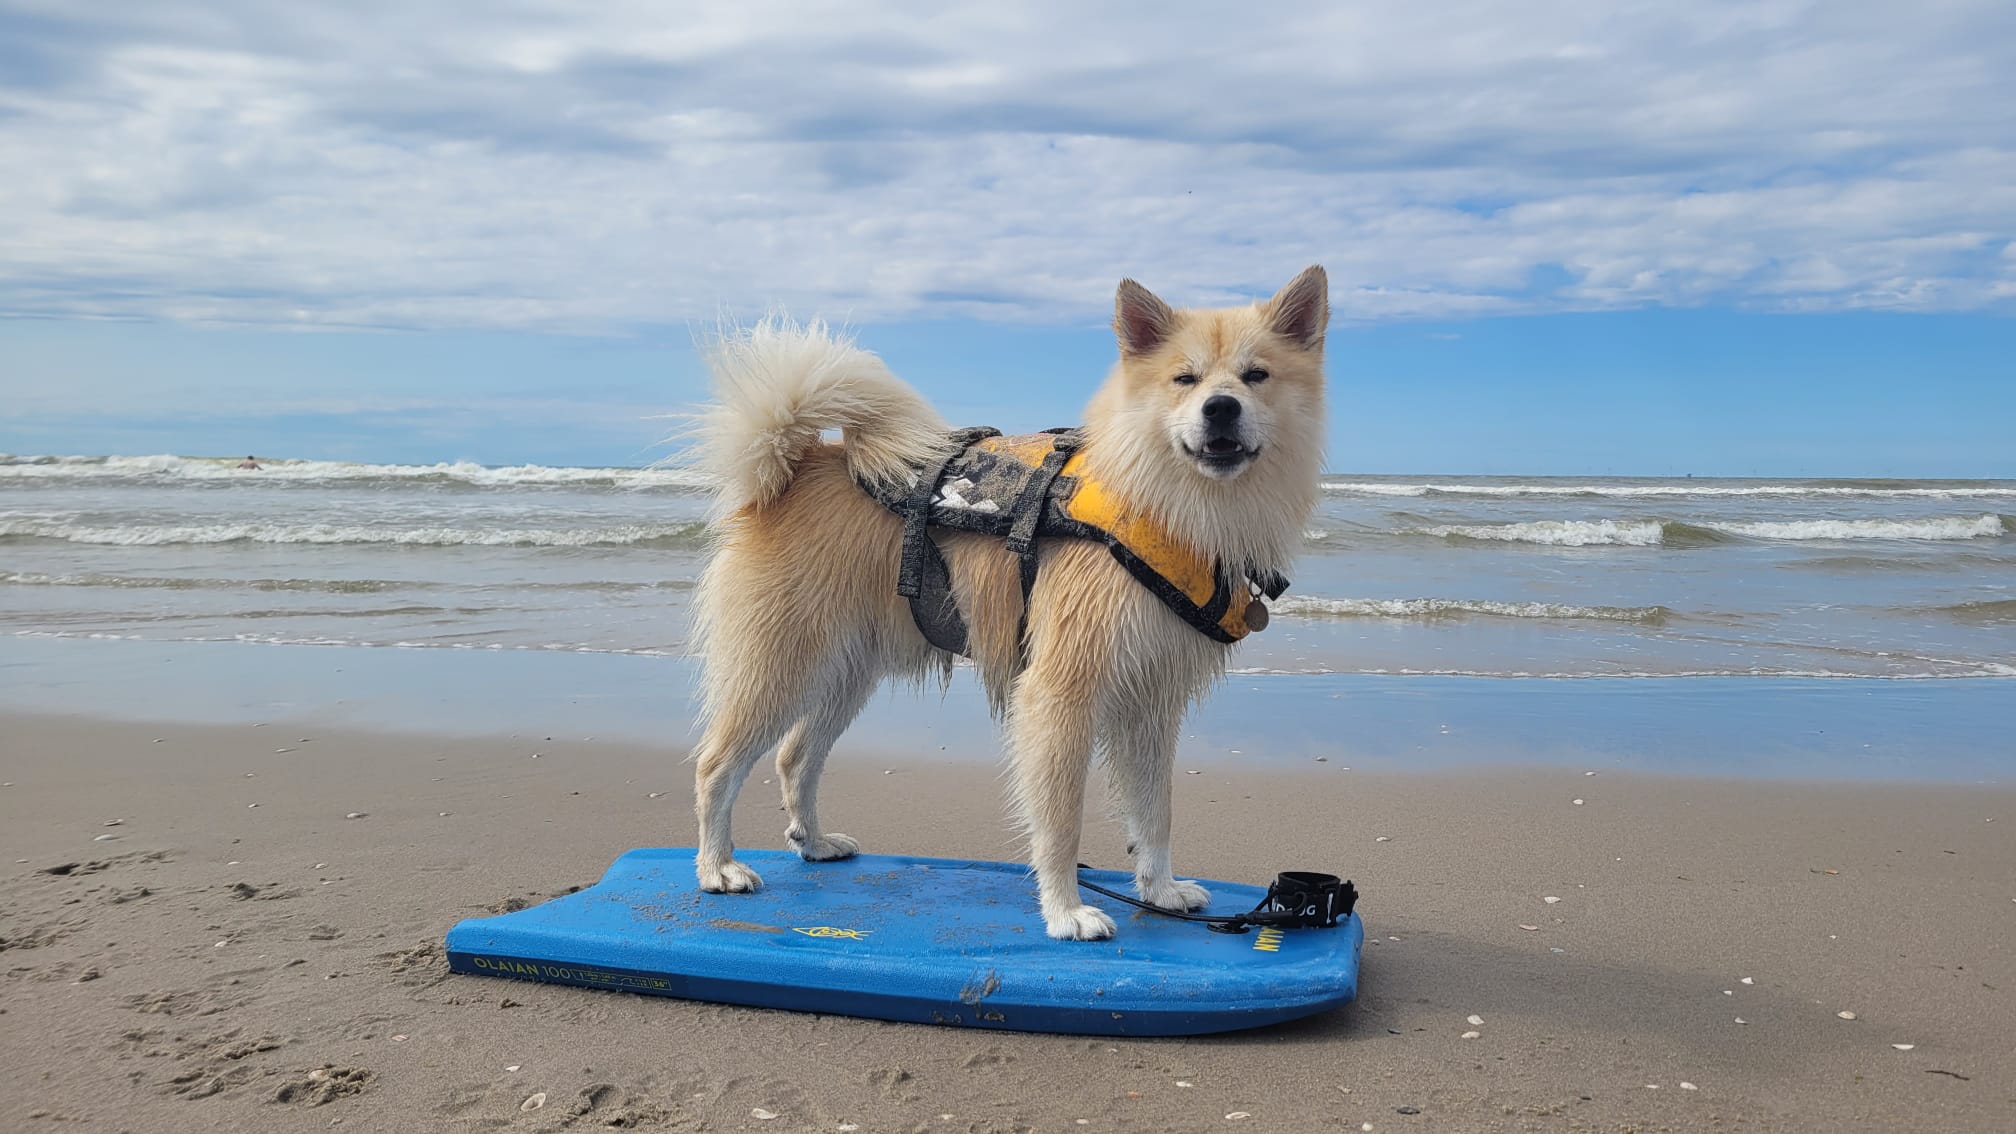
(1108, 669)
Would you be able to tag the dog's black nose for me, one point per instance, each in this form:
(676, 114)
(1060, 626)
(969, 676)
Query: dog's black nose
(1221, 409)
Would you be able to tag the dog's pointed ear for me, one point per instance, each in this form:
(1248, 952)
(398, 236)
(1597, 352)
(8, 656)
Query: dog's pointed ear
(1301, 311)
(1140, 320)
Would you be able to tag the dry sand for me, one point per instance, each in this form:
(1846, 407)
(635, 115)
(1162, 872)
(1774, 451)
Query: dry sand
(216, 965)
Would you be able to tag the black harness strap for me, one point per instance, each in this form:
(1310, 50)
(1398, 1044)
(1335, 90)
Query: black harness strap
(1179, 604)
(1221, 598)
(1029, 507)
(1271, 583)
(921, 574)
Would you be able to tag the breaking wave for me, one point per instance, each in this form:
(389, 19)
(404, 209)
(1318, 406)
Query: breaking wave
(325, 586)
(1315, 606)
(674, 651)
(1559, 533)
(169, 468)
(185, 583)
(690, 534)
(1673, 533)
(1988, 611)
(1964, 671)
(1985, 526)
(1699, 488)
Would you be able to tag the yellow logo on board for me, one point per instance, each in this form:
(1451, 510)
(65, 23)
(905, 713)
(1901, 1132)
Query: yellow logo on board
(1269, 940)
(831, 931)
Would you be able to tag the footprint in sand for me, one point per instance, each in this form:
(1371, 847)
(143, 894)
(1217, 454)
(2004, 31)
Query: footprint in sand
(608, 1105)
(219, 1064)
(324, 1085)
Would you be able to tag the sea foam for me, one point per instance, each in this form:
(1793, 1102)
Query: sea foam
(1693, 488)
(1560, 533)
(691, 534)
(167, 467)
(1674, 533)
(1986, 526)
(1317, 606)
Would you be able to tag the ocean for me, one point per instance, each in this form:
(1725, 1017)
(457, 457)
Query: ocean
(1483, 576)
(1510, 583)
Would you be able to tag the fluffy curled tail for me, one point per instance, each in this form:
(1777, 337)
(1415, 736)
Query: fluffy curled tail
(779, 385)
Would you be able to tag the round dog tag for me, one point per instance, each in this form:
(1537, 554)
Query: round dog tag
(1256, 615)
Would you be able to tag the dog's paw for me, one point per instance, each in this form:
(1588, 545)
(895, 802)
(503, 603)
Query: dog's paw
(825, 848)
(1174, 894)
(1079, 923)
(730, 877)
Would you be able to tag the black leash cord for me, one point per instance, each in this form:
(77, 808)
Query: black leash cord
(1223, 923)
(1296, 900)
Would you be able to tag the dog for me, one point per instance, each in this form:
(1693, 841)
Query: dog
(1210, 426)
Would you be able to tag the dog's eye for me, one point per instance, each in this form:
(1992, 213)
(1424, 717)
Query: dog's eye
(1254, 376)
(1186, 379)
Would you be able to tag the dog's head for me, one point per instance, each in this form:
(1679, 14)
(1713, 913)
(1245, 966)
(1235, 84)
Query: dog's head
(1226, 390)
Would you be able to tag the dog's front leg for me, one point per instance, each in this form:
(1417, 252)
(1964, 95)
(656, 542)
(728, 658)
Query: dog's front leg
(1051, 732)
(1140, 762)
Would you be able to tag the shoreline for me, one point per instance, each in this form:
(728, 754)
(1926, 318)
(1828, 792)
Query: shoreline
(208, 1006)
(1859, 730)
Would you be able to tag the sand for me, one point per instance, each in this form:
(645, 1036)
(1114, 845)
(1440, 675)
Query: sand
(240, 954)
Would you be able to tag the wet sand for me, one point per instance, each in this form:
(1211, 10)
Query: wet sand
(216, 965)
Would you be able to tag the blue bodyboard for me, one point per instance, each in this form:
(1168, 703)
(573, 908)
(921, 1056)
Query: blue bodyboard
(925, 940)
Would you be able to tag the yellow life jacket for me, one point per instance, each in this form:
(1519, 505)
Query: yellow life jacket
(1035, 486)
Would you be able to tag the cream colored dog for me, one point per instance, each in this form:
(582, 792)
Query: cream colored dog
(1211, 423)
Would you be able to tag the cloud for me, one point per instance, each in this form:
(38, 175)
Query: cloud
(592, 167)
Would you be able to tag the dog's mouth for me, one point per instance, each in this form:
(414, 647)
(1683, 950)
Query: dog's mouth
(1222, 454)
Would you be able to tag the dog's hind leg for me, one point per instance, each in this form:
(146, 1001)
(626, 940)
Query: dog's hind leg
(803, 756)
(1140, 744)
(740, 731)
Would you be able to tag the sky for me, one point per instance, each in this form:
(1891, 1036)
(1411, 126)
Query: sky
(1758, 238)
